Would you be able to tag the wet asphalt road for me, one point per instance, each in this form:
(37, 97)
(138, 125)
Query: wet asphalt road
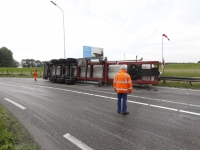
(84, 116)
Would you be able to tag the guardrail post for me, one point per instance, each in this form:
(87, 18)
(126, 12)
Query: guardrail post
(164, 81)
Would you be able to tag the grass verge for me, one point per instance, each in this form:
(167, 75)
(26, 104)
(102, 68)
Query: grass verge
(179, 84)
(13, 136)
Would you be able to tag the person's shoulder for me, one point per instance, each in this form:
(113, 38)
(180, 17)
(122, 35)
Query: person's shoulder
(128, 75)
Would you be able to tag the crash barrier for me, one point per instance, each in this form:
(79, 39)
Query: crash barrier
(21, 74)
(182, 79)
(102, 71)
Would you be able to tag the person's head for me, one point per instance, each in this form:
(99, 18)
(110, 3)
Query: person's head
(123, 67)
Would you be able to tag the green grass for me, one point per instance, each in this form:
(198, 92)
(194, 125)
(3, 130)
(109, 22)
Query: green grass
(178, 84)
(181, 70)
(19, 72)
(13, 135)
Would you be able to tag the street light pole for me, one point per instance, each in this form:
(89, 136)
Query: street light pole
(63, 26)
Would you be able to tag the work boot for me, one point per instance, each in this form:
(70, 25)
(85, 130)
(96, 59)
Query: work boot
(126, 113)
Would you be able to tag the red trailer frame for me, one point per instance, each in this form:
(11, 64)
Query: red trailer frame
(105, 64)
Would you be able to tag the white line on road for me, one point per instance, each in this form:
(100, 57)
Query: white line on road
(194, 105)
(112, 98)
(189, 112)
(168, 101)
(16, 104)
(77, 92)
(174, 102)
(77, 142)
(163, 107)
(193, 113)
(101, 96)
(137, 102)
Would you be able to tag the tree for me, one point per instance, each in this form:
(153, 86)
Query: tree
(31, 63)
(6, 57)
(15, 63)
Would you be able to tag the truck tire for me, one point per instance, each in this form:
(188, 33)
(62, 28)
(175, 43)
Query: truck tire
(53, 79)
(71, 60)
(60, 80)
(134, 71)
(62, 60)
(54, 61)
(70, 81)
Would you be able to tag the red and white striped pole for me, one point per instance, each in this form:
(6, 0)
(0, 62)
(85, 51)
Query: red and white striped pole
(163, 60)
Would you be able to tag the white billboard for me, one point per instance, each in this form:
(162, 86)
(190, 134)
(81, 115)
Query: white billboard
(92, 52)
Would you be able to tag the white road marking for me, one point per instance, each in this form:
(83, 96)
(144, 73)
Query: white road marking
(163, 107)
(133, 96)
(137, 102)
(16, 104)
(77, 142)
(194, 105)
(157, 99)
(112, 98)
(76, 91)
(143, 97)
(168, 108)
(149, 98)
(139, 97)
(101, 96)
(86, 93)
(189, 112)
(174, 102)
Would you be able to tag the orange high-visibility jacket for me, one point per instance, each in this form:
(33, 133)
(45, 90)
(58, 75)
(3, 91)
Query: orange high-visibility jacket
(35, 75)
(122, 82)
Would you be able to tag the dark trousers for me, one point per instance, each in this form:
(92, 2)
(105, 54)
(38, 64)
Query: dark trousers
(124, 106)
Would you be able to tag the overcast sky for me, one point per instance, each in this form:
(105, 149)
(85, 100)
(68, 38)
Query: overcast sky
(34, 29)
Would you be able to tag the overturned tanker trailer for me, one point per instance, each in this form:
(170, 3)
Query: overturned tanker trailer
(102, 71)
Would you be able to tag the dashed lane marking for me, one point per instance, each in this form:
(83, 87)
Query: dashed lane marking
(163, 107)
(16, 104)
(77, 142)
(189, 112)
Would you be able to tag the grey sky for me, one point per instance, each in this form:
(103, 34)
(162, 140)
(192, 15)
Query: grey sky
(34, 28)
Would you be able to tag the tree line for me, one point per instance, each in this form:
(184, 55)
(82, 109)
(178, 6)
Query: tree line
(6, 60)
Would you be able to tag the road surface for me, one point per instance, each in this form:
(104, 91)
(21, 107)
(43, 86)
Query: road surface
(84, 116)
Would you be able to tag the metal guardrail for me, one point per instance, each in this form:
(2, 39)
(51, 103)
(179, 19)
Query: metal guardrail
(184, 79)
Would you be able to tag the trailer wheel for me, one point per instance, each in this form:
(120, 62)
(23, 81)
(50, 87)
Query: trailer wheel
(60, 80)
(71, 60)
(54, 61)
(100, 83)
(134, 71)
(53, 79)
(70, 81)
(62, 60)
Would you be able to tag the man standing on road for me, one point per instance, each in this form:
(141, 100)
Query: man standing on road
(35, 74)
(122, 85)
